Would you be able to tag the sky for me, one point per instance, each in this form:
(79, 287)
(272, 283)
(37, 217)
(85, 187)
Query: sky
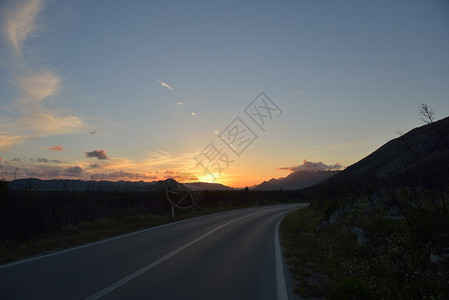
(233, 92)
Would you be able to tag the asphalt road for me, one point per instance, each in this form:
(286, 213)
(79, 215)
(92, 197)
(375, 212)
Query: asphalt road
(230, 255)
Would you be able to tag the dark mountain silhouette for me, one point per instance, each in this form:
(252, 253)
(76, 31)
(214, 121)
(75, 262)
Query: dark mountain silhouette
(419, 157)
(80, 185)
(209, 186)
(296, 180)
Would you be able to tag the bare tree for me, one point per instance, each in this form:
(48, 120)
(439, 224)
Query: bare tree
(428, 113)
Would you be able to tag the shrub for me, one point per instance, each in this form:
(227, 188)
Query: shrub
(349, 288)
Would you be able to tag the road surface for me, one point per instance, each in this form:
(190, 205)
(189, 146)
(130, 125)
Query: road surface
(229, 255)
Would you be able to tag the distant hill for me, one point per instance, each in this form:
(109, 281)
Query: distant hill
(420, 156)
(209, 186)
(80, 185)
(296, 180)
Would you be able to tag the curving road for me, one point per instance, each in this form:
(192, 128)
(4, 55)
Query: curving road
(230, 255)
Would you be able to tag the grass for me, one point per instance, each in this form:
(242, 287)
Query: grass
(301, 249)
(327, 261)
(87, 232)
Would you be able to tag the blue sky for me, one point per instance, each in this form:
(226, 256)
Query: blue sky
(151, 84)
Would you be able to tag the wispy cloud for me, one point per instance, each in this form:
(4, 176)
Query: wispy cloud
(313, 166)
(100, 154)
(122, 175)
(55, 148)
(36, 84)
(46, 160)
(41, 123)
(340, 146)
(19, 22)
(39, 86)
(164, 160)
(180, 103)
(164, 84)
(7, 141)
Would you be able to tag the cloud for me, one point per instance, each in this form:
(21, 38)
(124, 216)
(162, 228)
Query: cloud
(100, 154)
(93, 131)
(163, 160)
(7, 141)
(122, 175)
(19, 22)
(181, 177)
(55, 148)
(39, 85)
(313, 166)
(35, 119)
(42, 172)
(94, 166)
(32, 118)
(46, 160)
(165, 85)
(187, 177)
(180, 103)
(75, 171)
(44, 124)
(341, 146)
(171, 172)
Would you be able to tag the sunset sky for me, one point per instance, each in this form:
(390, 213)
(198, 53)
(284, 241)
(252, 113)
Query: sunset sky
(146, 90)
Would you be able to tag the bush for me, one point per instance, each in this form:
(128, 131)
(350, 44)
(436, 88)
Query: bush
(3, 188)
(349, 288)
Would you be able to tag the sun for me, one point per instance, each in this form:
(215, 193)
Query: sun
(206, 178)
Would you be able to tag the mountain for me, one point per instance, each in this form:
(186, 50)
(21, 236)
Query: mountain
(80, 185)
(296, 180)
(209, 186)
(420, 156)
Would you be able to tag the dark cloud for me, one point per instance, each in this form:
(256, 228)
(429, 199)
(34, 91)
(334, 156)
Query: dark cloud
(181, 177)
(45, 160)
(100, 154)
(122, 175)
(43, 172)
(55, 148)
(314, 166)
(94, 166)
(73, 171)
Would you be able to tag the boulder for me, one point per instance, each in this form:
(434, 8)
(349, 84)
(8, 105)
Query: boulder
(362, 239)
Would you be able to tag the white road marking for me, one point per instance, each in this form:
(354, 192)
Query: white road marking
(139, 272)
(281, 286)
(102, 241)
